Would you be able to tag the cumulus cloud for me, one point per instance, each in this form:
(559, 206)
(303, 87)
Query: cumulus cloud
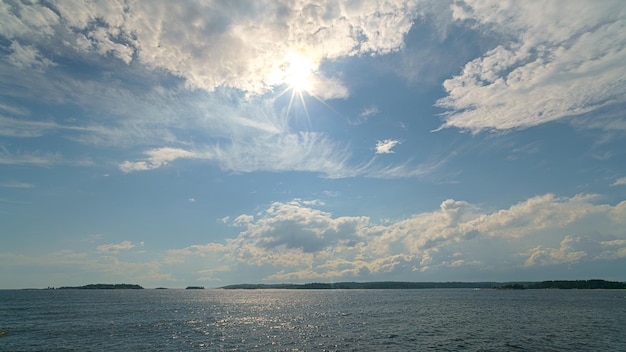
(211, 44)
(386, 146)
(298, 241)
(295, 230)
(568, 252)
(208, 47)
(575, 248)
(555, 63)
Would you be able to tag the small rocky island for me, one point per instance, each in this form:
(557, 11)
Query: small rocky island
(103, 287)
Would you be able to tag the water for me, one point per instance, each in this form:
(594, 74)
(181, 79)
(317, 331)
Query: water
(311, 320)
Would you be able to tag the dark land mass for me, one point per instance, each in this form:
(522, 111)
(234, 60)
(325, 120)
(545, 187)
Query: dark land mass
(579, 284)
(515, 286)
(366, 285)
(563, 284)
(194, 288)
(103, 287)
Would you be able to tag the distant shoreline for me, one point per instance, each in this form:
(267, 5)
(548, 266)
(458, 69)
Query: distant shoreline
(100, 287)
(559, 284)
(388, 285)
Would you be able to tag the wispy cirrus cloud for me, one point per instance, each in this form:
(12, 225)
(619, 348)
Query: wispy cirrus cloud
(369, 112)
(305, 151)
(619, 182)
(156, 158)
(29, 158)
(15, 184)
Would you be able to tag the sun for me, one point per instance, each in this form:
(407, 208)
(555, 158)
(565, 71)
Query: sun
(298, 72)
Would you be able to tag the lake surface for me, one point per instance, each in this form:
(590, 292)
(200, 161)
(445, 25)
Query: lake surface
(313, 320)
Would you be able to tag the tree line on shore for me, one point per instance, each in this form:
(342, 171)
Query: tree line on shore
(102, 287)
(560, 284)
(556, 284)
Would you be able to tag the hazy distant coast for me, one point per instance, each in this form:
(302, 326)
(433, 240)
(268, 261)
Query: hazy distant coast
(388, 285)
(103, 287)
(560, 284)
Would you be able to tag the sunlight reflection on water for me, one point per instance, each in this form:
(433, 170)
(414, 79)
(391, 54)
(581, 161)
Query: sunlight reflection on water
(299, 320)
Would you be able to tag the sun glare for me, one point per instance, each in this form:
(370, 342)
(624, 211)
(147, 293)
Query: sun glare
(298, 74)
(298, 71)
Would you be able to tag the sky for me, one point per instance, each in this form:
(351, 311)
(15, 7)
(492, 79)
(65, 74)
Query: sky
(171, 144)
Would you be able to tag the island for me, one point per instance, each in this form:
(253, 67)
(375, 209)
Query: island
(194, 288)
(103, 287)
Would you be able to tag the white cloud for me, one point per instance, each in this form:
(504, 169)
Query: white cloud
(306, 151)
(29, 158)
(194, 41)
(11, 127)
(385, 146)
(575, 248)
(276, 152)
(156, 158)
(27, 57)
(364, 115)
(14, 110)
(101, 267)
(619, 182)
(369, 112)
(296, 241)
(296, 226)
(238, 134)
(14, 184)
(115, 248)
(562, 59)
(23, 128)
(178, 256)
(211, 274)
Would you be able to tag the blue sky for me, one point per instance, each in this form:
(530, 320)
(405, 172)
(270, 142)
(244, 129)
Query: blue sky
(219, 142)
